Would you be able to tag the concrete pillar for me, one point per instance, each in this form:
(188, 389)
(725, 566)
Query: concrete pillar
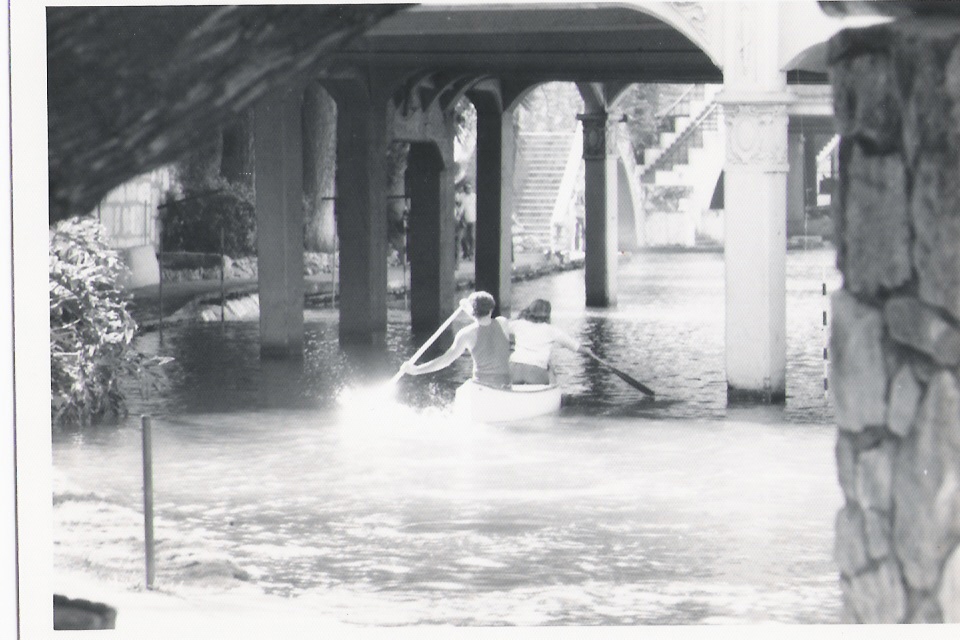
(279, 206)
(895, 342)
(494, 238)
(361, 213)
(755, 99)
(796, 180)
(600, 200)
(755, 248)
(432, 236)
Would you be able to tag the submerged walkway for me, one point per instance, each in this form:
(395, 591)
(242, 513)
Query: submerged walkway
(318, 289)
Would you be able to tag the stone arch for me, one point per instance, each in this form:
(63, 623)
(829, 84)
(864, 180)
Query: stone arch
(690, 19)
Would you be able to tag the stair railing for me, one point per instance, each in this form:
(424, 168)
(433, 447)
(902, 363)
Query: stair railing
(683, 136)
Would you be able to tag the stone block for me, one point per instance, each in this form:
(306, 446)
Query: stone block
(847, 466)
(923, 609)
(77, 614)
(849, 544)
(914, 324)
(941, 408)
(858, 380)
(879, 531)
(866, 102)
(925, 507)
(848, 615)
(874, 474)
(878, 595)
(904, 398)
(949, 593)
(920, 75)
(935, 212)
(876, 231)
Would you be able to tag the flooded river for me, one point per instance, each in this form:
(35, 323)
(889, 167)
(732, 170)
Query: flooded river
(374, 510)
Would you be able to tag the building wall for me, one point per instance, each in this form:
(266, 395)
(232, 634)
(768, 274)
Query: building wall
(129, 212)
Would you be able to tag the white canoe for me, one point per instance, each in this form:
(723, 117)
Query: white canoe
(487, 404)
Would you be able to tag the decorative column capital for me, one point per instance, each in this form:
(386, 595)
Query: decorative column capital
(601, 135)
(757, 135)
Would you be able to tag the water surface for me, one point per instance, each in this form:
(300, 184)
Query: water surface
(618, 510)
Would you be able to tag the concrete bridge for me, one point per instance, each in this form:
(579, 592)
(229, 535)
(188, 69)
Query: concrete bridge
(400, 80)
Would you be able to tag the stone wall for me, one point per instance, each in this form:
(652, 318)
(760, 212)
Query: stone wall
(896, 322)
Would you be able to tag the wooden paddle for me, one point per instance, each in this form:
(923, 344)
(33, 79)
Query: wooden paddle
(426, 345)
(636, 384)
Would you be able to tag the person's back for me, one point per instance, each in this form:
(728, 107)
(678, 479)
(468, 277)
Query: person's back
(491, 355)
(534, 339)
(533, 342)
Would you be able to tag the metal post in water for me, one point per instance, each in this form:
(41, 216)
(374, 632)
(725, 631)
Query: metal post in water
(146, 429)
(826, 348)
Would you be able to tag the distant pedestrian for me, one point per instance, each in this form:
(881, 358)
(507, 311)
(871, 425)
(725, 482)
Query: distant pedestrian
(469, 208)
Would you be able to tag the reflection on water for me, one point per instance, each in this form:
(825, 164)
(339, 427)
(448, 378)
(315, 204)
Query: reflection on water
(667, 331)
(384, 510)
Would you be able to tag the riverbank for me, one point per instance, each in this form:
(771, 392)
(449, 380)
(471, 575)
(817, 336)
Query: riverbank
(183, 301)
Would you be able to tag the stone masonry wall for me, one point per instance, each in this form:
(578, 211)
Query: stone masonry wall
(896, 322)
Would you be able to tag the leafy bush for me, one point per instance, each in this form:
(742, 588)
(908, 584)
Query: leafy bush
(193, 221)
(90, 327)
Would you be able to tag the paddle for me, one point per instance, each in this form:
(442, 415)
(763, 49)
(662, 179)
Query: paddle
(426, 345)
(636, 384)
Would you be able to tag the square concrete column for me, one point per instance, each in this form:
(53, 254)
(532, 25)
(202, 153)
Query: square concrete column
(600, 200)
(432, 237)
(494, 222)
(361, 214)
(279, 207)
(755, 192)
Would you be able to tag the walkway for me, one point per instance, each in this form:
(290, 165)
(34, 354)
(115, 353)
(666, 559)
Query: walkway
(145, 305)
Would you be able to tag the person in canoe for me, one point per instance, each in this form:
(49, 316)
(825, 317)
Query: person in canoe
(534, 338)
(486, 338)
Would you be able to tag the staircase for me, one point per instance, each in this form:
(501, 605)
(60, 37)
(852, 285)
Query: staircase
(546, 183)
(682, 170)
(690, 124)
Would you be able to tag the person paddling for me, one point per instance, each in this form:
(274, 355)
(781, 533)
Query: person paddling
(534, 339)
(485, 338)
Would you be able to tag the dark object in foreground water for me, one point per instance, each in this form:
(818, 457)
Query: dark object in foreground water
(81, 614)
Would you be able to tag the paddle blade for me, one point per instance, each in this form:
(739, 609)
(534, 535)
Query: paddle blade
(636, 384)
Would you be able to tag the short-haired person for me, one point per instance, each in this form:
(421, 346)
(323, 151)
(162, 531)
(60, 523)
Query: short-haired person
(534, 339)
(486, 339)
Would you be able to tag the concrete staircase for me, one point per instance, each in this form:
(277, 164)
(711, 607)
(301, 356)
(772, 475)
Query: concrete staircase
(545, 160)
(687, 160)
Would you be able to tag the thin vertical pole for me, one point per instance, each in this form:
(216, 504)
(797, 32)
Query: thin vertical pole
(146, 429)
(222, 293)
(826, 339)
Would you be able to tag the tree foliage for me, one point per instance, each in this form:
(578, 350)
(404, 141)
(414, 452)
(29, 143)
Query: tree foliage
(194, 221)
(90, 328)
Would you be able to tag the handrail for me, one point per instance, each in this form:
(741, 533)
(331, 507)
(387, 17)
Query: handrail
(683, 96)
(686, 133)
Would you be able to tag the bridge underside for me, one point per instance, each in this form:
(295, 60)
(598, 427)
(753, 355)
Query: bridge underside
(400, 82)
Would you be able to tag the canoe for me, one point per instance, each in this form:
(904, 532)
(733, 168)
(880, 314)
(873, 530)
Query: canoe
(486, 404)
